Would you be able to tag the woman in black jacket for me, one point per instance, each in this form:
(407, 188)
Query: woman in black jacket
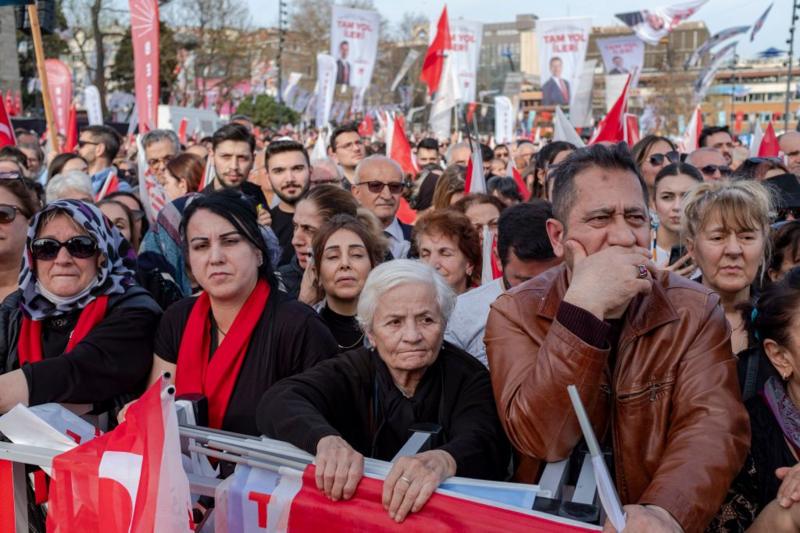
(366, 402)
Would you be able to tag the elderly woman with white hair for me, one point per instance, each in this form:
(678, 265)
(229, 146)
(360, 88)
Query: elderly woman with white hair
(72, 185)
(366, 402)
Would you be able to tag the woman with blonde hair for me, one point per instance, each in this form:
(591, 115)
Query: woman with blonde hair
(727, 226)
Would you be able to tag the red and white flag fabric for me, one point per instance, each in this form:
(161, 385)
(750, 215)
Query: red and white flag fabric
(294, 504)
(612, 127)
(182, 127)
(400, 149)
(6, 128)
(512, 171)
(476, 181)
(145, 37)
(367, 126)
(59, 80)
(111, 184)
(691, 137)
(433, 63)
(768, 145)
(631, 129)
(563, 130)
(128, 480)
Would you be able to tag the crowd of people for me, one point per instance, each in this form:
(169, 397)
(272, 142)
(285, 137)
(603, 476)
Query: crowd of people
(340, 302)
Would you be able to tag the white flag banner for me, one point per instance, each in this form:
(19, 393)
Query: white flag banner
(294, 79)
(563, 130)
(562, 47)
(466, 36)
(614, 85)
(326, 85)
(651, 25)
(707, 75)
(623, 55)
(91, 99)
(407, 62)
(354, 44)
(706, 47)
(581, 110)
(447, 97)
(503, 119)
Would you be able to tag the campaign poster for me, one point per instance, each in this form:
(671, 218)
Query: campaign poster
(354, 44)
(623, 56)
(651, 25)
(466, 37)
(562, 47)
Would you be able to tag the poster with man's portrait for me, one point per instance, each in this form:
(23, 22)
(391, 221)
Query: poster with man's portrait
(354, 44)
(562, 48)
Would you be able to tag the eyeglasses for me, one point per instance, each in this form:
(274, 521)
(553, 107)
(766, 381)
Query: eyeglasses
(708, 170)
(376, 187)
(81, 143)
(80, 247)
(11, 176)
(658, 159)
(8, 213)
(350, 145)
(163, 161)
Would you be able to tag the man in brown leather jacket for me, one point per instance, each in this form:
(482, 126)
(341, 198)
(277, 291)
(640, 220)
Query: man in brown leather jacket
(648, 350)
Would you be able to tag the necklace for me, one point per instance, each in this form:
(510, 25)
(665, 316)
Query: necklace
(224, 333)
(361, 338)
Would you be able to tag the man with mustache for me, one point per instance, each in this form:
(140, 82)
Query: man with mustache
(232, 152)
(288, 171)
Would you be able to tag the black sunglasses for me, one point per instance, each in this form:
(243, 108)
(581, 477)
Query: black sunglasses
(375, 187)
(724, 170)
(81, 144)
(80, 247)
(658, 159)
(8, 213)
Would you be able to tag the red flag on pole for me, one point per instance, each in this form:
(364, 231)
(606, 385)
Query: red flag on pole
(475, 181)
(631, 129)
(72, 130)
(6, 128)
(18, 103)
(433, 63)
(367, 126)
(182, 130)
(145, 36)
(10, 104)
(59, 80)
(612, 127)
(769, 143)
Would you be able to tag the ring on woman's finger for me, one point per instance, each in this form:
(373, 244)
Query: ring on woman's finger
(404, 478)
(642, 272)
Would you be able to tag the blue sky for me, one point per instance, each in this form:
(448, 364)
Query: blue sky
(717, 14)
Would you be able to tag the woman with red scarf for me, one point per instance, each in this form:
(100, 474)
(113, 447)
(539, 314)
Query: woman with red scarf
(242, 334)
(79, 331)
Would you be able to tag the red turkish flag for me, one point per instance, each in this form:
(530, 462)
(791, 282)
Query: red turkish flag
(182, 130)
(128, 480)
(433, 63)
(401, 150)
(367, 126)
(59, 80)
(769, 143)
(72, 131)
(145, 35)
(6, 128)
(612, 127)
(631, 129)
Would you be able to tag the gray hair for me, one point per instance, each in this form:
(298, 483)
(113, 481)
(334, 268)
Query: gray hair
(703, 150)
(74, 180)
(453, 147)
(375, 159)
(396, 273)
(154, 136)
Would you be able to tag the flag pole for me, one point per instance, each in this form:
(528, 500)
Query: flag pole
(36, 33)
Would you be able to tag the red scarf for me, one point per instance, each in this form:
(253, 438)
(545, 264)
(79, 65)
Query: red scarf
(29, 346)
(215, 379)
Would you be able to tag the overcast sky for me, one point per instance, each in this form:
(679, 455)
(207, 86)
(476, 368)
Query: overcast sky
(717, 14)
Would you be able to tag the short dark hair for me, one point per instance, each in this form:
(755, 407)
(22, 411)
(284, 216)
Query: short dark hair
(280, 147)
(233, 132)
(522, 228)
(677, 169)
(233, 206)
(505, 186)
(487, 154)
(428, 143)
(708, 131)
(108, 137)
(350, 127)
(12, 153)
(615, 157)
(785, 242)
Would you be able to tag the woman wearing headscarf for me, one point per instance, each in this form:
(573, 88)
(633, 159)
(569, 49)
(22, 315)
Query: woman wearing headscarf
(81, 331)
(241, 334)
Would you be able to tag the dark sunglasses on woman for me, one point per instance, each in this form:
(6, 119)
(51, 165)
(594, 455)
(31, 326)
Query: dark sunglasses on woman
(79, 247)
(8, 213)
(658, 159)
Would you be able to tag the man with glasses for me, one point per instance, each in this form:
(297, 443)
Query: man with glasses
(502, 153)
(347, 149)
(718, 138)
(99, 145)
(378, 186)
(710, 162)
(789, 144)
(160, 146)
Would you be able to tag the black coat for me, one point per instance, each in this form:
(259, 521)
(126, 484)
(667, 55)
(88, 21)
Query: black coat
(353, 396)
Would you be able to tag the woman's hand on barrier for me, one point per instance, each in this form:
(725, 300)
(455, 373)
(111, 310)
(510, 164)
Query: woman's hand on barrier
(339, 468)
(413, 480)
